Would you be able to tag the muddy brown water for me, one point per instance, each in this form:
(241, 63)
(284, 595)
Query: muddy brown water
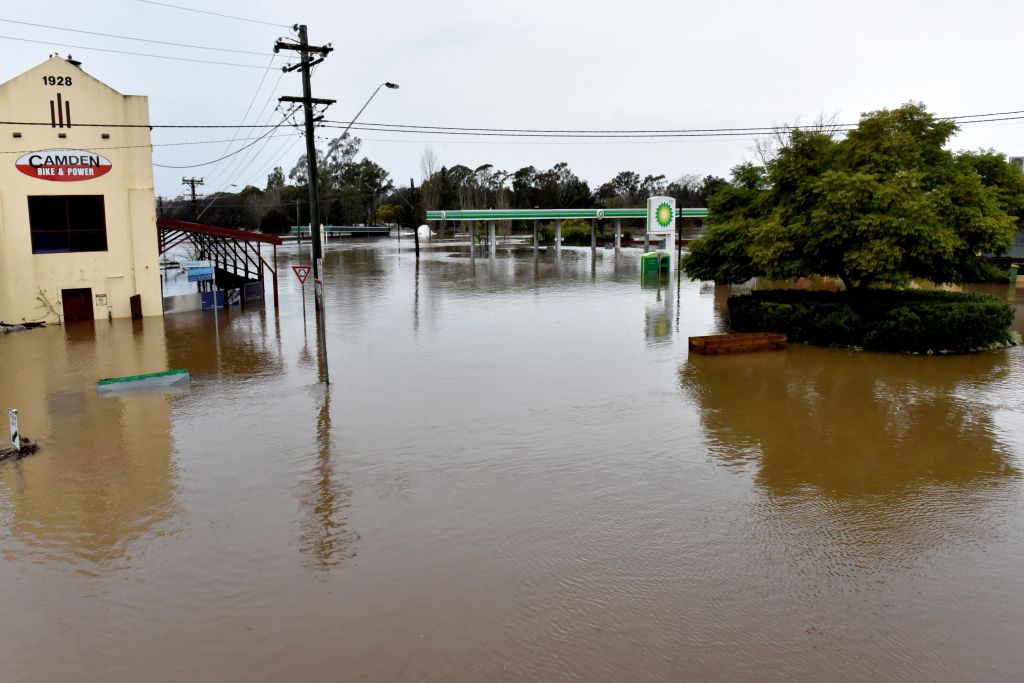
(517, 474)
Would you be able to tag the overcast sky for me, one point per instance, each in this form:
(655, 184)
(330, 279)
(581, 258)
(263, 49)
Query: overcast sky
(551, 64)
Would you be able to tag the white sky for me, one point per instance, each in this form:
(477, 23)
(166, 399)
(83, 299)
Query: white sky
(546, 64)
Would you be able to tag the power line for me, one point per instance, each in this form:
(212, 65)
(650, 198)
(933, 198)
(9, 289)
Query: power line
(240, 149)
(666, 131)
(252, 101)
(709, 133)
(141, 40)
(161, 144)
(126, 52)
(214, 14)
(247, 162)
(377, 127)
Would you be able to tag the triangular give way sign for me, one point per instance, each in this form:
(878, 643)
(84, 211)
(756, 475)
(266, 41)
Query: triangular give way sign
(302, 272)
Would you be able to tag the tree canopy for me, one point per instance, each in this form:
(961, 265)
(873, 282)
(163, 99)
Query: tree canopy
(884, 204)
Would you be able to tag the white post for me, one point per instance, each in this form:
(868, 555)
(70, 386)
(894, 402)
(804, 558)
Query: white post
(491, 238)
(12, 417)
(593, 234)
(534, 236)
(558, 235)
(618, 234)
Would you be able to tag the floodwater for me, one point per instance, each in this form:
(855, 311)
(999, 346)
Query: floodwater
(516, 474)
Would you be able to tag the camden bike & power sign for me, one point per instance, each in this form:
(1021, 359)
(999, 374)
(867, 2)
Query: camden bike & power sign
(63, 165)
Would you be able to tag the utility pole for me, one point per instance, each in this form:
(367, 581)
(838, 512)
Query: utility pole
(415, 228)
(307, 100)
(192, 182)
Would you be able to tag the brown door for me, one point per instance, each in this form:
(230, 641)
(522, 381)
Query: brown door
(77, 304)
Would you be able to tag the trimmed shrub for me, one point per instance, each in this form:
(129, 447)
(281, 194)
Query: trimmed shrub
(882, 320)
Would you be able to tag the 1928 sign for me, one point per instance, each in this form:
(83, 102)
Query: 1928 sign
(63, 165)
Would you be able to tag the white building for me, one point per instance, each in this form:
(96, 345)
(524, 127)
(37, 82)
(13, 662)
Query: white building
(78, 237)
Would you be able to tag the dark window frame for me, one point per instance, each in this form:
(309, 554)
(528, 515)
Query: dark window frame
(67, 224)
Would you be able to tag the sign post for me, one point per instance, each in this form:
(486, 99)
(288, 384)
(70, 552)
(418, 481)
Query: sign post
(12, 417)
(302, 272)
(661, 221)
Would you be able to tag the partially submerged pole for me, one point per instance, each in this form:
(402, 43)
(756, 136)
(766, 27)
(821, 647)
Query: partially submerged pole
(534, 236)
(491, 246)
(618, 234)
(558, 234)
(416, 230)
(277, 306)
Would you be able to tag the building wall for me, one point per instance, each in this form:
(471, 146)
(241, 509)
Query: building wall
(130, 265)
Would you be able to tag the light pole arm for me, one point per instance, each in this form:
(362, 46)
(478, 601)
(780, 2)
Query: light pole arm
(390, 85)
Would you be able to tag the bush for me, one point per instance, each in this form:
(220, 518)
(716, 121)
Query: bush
(882, 320)
(275, 222)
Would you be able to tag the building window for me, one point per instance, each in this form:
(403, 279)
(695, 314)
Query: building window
(67, 224)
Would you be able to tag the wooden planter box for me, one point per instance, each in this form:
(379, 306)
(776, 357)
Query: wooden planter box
(737, 342)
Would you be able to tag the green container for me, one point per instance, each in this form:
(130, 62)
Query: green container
(655, 262)
(1014, 268)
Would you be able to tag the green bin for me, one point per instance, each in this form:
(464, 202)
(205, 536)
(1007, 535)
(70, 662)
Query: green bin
(1014, 268)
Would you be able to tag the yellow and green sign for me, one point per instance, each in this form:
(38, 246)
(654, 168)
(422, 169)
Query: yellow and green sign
(661, 215)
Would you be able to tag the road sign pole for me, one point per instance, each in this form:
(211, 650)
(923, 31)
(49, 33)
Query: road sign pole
(12, 418)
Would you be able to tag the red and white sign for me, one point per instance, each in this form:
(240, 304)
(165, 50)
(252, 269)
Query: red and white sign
(63, 165)
(302, 272)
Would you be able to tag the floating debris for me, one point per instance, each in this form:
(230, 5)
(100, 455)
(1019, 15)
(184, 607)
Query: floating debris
(18, 327)
(152, 380)
(737, 342)
(28, 447)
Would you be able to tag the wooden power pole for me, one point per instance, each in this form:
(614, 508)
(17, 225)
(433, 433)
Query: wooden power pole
(306, 63)
(306, 51)
(192, 182)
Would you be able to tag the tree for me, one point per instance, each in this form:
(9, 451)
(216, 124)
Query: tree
(885, 204)
(622, 190)
(430, 189)
(275, 179)
(389, 213)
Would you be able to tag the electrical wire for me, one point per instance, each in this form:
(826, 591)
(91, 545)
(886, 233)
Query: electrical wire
(213, 161)
(743, 130)
(126, 52)
(141, 40)
(286, 147)
(157, 144)
(438, 130)
(250, 156)
(248, 109)
(214, 14)
(710, 133)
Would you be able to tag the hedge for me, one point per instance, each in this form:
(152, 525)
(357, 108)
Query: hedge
(882, 320)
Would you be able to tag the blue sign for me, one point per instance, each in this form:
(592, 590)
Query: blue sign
(200, 274)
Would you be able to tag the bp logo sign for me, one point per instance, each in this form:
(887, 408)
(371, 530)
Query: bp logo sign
(661, 215)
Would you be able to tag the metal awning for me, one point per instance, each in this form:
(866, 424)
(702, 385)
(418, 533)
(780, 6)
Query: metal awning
(229, 249)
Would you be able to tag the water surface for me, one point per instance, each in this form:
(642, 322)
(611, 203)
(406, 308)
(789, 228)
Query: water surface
(517, 473)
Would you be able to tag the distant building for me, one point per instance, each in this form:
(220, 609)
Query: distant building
(1018, 162)
(78, 237)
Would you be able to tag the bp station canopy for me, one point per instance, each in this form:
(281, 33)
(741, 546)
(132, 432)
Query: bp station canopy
(551, 214)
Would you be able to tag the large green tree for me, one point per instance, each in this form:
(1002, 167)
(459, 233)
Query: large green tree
(884, 204)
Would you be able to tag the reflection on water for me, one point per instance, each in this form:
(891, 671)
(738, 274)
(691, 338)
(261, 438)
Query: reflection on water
(853, 424)
(326, 536)
(516, 473)
(112, 479)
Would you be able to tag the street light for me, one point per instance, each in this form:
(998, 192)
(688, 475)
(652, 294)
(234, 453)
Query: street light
(217, 194)
(385, 84)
